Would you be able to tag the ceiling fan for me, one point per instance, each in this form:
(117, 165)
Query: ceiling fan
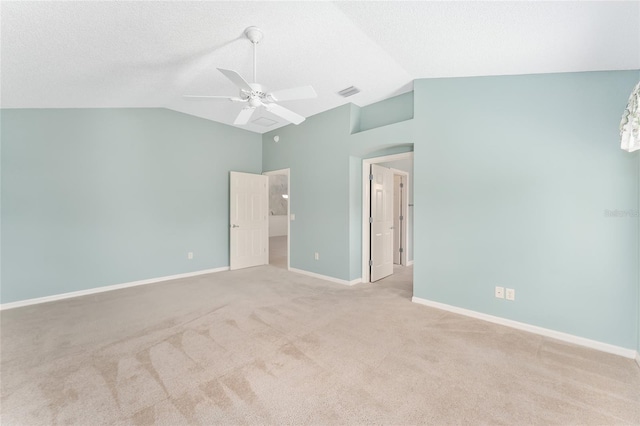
(254, 94)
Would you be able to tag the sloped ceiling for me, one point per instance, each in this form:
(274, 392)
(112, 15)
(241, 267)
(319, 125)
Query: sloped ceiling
(149, 54)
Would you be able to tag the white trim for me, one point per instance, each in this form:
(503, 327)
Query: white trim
(409, 262)
(638, 358)
(326, 278)
(570, 338)
(79, 293)
(288, 173)
(366, 166)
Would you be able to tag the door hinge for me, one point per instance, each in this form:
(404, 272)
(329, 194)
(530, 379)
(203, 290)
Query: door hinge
(401, 217)
(401, 250)
(370, 220)
(370, 177)
(401, 185)
(370, 262)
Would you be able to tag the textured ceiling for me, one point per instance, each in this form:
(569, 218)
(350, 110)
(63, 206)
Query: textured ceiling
(149, 54)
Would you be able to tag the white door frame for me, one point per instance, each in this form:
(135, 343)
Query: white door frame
(366, 207)
(405, 207)
(286, 172)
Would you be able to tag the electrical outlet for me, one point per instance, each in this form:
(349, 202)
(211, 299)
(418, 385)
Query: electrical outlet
(190, 255)
(511, 294)
(317, 256)
(500, 292)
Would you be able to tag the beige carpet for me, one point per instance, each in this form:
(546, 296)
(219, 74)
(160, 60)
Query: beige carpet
(266, 346)
(278, 251)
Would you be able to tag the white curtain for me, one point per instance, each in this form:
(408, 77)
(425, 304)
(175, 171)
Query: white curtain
(630, 124)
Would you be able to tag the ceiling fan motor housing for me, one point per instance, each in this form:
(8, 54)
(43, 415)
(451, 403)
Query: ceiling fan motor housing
(258, 93)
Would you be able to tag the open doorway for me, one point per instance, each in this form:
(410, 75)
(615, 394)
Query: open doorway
(279, 229)
(400, 165)
(400, 216)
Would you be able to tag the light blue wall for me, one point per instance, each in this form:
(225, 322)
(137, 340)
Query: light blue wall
(325, 159)
(513, 177)
(393, 110)
(319, 192)
(96, 197)
(355, 217)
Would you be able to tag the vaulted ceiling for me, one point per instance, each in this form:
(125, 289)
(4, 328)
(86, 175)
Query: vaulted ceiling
(150, 53)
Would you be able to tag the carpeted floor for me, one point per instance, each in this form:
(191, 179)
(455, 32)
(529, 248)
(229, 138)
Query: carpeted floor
(278, 251)
(266, 346)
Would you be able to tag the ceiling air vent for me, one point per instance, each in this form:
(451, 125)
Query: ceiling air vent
(349, 91)
(264, 122)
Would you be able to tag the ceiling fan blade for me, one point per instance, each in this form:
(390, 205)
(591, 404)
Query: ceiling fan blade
(284, 113)
(236, 79)
(304, 92)
(245, 115)
(213, 98)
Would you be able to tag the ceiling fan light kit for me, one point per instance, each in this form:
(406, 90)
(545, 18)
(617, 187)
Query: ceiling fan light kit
(255, 95)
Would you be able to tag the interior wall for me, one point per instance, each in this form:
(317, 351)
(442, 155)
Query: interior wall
(315, 153)
(515, 176)
(96, 197)
(355, 217)
(325, 159)
(392, 110)
(512, 179)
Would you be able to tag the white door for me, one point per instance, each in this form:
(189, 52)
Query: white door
(249, 227)
(398, 219)
(381, 222)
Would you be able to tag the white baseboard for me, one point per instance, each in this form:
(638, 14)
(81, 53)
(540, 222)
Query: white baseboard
(570, 338)
(638, 358)
(69, 295)
(325, 277)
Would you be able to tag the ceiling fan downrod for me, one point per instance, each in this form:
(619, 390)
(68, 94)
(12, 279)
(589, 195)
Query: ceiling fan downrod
(254, 34)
